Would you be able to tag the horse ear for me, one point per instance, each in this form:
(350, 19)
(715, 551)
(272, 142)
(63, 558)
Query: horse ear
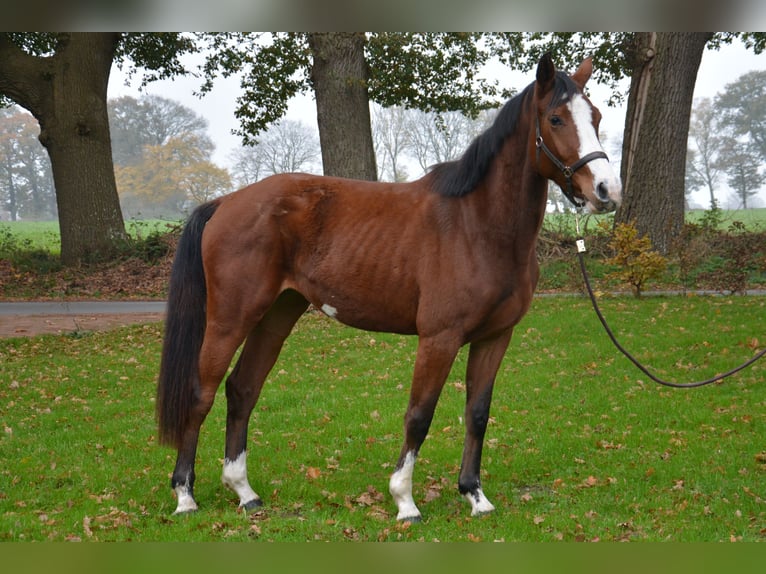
(582, 75)
(546, 72)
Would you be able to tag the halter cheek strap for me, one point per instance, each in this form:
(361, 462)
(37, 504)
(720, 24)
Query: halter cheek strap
(567, 171)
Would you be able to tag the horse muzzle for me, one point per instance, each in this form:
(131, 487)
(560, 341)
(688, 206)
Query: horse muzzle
(607, 196)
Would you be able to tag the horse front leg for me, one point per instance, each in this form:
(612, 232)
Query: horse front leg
(484, 360)
(432, 366)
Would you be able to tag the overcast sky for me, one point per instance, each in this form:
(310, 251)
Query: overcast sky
(717, 69)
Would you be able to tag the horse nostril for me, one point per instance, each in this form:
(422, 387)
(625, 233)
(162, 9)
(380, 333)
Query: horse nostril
(602, 192)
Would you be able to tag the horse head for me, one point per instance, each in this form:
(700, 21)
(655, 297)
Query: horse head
(566, 132)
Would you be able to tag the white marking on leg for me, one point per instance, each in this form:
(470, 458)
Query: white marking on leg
(185, 499)
(400, 487)
(235, 477)
(479, 502)
(329, 310)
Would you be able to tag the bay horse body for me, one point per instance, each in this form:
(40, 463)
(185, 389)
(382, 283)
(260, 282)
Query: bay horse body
(450, 258)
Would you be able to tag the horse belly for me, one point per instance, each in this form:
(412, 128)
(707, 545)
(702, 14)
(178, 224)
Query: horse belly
(371, 288)
(357, 302)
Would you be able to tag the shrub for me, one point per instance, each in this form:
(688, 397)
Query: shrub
(638, 263)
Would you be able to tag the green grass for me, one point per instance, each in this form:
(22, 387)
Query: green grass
(753, 219)
(580, 446)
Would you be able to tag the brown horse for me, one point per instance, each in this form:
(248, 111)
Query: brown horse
(449, 257)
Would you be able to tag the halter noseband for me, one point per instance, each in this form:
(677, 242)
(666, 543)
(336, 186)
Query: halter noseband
(568, 171)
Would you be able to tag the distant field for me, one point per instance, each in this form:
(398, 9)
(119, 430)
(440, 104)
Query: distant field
(754, 219)
(45, 235)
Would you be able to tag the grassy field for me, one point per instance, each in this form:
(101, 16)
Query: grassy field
(44, 235)
(579, 448)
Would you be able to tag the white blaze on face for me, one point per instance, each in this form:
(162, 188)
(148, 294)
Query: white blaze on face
(603, 173)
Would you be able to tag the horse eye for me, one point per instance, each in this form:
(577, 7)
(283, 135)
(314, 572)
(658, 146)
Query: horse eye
(556, 121)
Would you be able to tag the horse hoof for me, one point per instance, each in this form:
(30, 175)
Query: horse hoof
(412, 519)
(252, 505)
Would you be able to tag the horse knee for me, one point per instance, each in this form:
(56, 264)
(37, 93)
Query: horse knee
(417, 421)
(477, 412)
(477, 419)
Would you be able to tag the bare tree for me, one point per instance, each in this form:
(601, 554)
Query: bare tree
(26, 181)
(288, 146)
(702, 168)
(439, 137)
(390, 135)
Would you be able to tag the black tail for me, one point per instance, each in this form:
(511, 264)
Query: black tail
(184, 330)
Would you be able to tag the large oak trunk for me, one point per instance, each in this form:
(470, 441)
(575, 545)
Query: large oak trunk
(339, 75)
(656, 130)
(67, 94)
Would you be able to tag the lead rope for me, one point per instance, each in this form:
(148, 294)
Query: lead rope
(580, 250)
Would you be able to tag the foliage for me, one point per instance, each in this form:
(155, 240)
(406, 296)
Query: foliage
(638, 263)
(735, 255)
(150, 121)
(434, 72)
(171, 178)
(742, 109)
(427, 71)
(24, 255)
(743, 169)
(612, 52)
(578, 448)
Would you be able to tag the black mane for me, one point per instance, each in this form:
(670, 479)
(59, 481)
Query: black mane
(460, 177)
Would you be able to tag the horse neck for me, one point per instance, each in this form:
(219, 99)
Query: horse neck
(515, 195)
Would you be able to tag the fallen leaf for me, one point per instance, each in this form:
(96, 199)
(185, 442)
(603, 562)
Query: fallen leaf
(526, 497)
(370, 497)
(474, 538)
(590, 481)
(313, 473)
(86, 526)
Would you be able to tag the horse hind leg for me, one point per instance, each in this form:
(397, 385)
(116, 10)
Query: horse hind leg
(243, 387)
(217, 351)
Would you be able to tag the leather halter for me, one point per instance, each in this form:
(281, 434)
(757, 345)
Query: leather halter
(568, 171)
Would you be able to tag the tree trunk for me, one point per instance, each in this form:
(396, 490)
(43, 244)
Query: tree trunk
(339, 75)
(67, 94)
(656, 130)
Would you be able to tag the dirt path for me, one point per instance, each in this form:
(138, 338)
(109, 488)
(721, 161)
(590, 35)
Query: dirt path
(32, 325)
